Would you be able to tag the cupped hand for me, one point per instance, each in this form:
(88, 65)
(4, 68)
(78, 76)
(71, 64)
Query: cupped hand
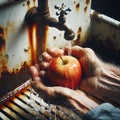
(91, 65)
(92, 68)
(76, 98)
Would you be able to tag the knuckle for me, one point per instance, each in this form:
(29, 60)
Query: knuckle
(44, 65)
(89, 50)
(54, 52)
(46, 57)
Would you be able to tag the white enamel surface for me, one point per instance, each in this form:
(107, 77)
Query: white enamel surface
(75, 19)
(16, 33)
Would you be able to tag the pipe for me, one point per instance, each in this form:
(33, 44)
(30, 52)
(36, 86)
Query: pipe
(44, 14)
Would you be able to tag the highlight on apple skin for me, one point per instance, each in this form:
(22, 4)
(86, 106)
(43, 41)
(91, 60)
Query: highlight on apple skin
(65, 71)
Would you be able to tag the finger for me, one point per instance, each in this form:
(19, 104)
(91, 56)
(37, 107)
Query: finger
(55, 52)
(83, 104)
(46, 57)
(42, 73)
(78, 98)
(36, 81)
(76, 51)
(44, 65)
(62, 91)
(34, 72)
(37, 66)
(77, 106)
(37, 84)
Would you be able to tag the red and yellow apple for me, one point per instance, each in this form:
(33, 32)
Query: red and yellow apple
(65, 71)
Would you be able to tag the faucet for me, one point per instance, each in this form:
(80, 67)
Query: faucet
(43, 12)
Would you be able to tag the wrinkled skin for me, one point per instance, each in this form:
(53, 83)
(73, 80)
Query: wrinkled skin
(78, 99)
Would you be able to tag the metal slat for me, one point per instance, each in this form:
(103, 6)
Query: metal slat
(21, 112)
(35, 98)
(35, 107)
(39, 104)
(3, 116)
(34, 115)
(49, 111)
(29, 106)
(54, 111)
(10, 114)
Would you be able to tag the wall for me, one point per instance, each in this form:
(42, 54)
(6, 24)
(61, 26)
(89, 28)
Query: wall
(21, 44)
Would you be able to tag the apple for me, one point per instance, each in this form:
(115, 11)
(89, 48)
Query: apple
(65, 71)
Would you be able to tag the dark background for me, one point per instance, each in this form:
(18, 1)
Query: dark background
(110, 8)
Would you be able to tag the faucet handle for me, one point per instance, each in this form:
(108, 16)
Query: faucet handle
(61, 10)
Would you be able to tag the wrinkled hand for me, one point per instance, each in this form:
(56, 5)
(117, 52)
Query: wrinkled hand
(91, 65)
(78, 99)
(92, 68)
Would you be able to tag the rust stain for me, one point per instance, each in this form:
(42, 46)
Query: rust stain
(32, 42)
(37, 35)
(3, 57)
(77, 6)
(78, 33)
(3, 66)
(2, 39)
(77, 41)
(85, 9)
(87, 1)
(34, 1)
(15, 79)
(28, 4)
(79, 30)
(54, 37)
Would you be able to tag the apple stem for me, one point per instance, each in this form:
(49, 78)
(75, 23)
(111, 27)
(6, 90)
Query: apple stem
(61, 58)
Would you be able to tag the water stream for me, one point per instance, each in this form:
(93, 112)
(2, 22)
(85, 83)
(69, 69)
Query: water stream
(69, 46)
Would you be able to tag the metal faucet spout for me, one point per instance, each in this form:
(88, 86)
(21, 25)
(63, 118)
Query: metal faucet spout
(44, 14)
(43, 11)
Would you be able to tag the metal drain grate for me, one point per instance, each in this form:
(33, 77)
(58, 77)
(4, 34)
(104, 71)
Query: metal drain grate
(27, 106)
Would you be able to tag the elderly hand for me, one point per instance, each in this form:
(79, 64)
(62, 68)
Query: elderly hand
(76, 98)
(91, 65)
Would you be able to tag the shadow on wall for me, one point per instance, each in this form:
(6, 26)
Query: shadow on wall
(110, 8)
